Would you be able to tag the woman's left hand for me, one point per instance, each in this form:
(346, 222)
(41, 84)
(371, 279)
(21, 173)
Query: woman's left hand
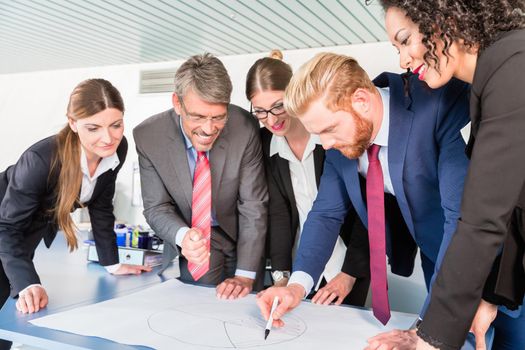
(126, 269)
(486, 313)
(397, 339)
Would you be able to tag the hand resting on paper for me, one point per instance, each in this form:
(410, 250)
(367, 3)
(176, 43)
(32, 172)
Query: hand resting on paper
(335, 291)
(235, 287)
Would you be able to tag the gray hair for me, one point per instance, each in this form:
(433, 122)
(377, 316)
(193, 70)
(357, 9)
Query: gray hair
(206, 76)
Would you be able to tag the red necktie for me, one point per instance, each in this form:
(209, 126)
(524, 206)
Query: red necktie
(201, 209)
(376, 232)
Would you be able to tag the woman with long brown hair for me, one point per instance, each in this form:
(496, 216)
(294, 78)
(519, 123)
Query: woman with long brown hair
(76, 167)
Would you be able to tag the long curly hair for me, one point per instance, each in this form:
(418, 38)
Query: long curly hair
(476, 23)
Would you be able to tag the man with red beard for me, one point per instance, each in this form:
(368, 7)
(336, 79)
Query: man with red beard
(395, 154)
(203, 180)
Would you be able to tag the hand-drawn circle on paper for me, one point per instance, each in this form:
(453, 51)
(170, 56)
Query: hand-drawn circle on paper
(221, 326)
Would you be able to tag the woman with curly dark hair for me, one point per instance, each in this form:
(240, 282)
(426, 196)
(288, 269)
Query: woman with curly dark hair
(482, 43)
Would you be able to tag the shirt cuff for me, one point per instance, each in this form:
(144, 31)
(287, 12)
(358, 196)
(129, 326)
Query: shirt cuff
(29, 286)
(180, 235)
(244, 273)
(303, 279)
(416, 323)
(112, 268)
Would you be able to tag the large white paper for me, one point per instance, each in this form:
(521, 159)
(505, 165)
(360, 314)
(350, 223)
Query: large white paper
(173, 315)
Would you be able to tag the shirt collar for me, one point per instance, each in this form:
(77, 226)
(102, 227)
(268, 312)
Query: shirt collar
(278, 144)
(187, 141)
(107, 163)
(382, 136)
(188, 144)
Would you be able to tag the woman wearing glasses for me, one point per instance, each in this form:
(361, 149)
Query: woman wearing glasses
(76, 167)
(294, 163)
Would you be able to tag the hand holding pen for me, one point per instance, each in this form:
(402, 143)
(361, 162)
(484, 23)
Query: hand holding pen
(270, 319)
(289, 297)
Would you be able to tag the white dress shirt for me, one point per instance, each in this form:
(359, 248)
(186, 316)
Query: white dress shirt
(89, 183)
(304, 184)
(381, 139)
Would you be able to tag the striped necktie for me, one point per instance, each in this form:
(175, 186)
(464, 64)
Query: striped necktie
(201, 209)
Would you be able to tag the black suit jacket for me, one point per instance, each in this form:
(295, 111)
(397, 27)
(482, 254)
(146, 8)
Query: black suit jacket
(27, 193)
(283, 219)
(490, 236)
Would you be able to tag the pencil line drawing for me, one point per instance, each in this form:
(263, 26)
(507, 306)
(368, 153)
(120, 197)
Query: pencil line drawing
(223, 327)
(173, 315)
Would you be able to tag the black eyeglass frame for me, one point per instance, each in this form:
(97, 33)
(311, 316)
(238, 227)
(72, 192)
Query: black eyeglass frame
(266, 111)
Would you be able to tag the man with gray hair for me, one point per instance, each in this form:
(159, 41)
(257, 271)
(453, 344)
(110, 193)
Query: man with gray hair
(203, 181)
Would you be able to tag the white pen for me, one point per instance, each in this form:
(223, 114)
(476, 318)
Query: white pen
(270, 319)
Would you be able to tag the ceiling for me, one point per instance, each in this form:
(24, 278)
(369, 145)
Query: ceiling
(58, 34)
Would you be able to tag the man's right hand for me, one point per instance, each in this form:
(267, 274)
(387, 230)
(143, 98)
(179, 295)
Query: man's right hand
(194, 247)
(32, 300)
(289, 298)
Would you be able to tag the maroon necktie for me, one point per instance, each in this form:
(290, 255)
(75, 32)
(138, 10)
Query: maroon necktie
(376, 232)
(201, 209)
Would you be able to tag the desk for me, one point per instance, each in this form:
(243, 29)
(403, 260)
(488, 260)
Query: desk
(70, 282)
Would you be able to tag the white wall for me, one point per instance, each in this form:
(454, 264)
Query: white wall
(33, 105)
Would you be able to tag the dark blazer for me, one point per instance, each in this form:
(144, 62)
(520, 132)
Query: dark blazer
(492, 218)
(27, 193)
(283, 217)
(427, 165)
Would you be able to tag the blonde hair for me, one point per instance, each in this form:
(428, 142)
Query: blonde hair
(327, 74)
(87, 99)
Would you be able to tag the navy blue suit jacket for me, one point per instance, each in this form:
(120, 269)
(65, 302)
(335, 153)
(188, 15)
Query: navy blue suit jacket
(427, 165)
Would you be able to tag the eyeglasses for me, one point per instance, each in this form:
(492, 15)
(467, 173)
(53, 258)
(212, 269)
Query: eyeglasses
(262, 114)
(200, 119)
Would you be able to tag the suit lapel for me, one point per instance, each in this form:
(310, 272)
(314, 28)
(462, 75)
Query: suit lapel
(284, 173)
(318, 163)
(351, 176)
(179, 160)
(475, 117)
(218, 155)
(50, 235)
(399, 133)
(99, 187)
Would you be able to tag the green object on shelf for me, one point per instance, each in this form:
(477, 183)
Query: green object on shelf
(135, 238)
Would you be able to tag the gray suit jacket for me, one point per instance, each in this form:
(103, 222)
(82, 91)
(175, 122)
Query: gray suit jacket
(239, 192)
